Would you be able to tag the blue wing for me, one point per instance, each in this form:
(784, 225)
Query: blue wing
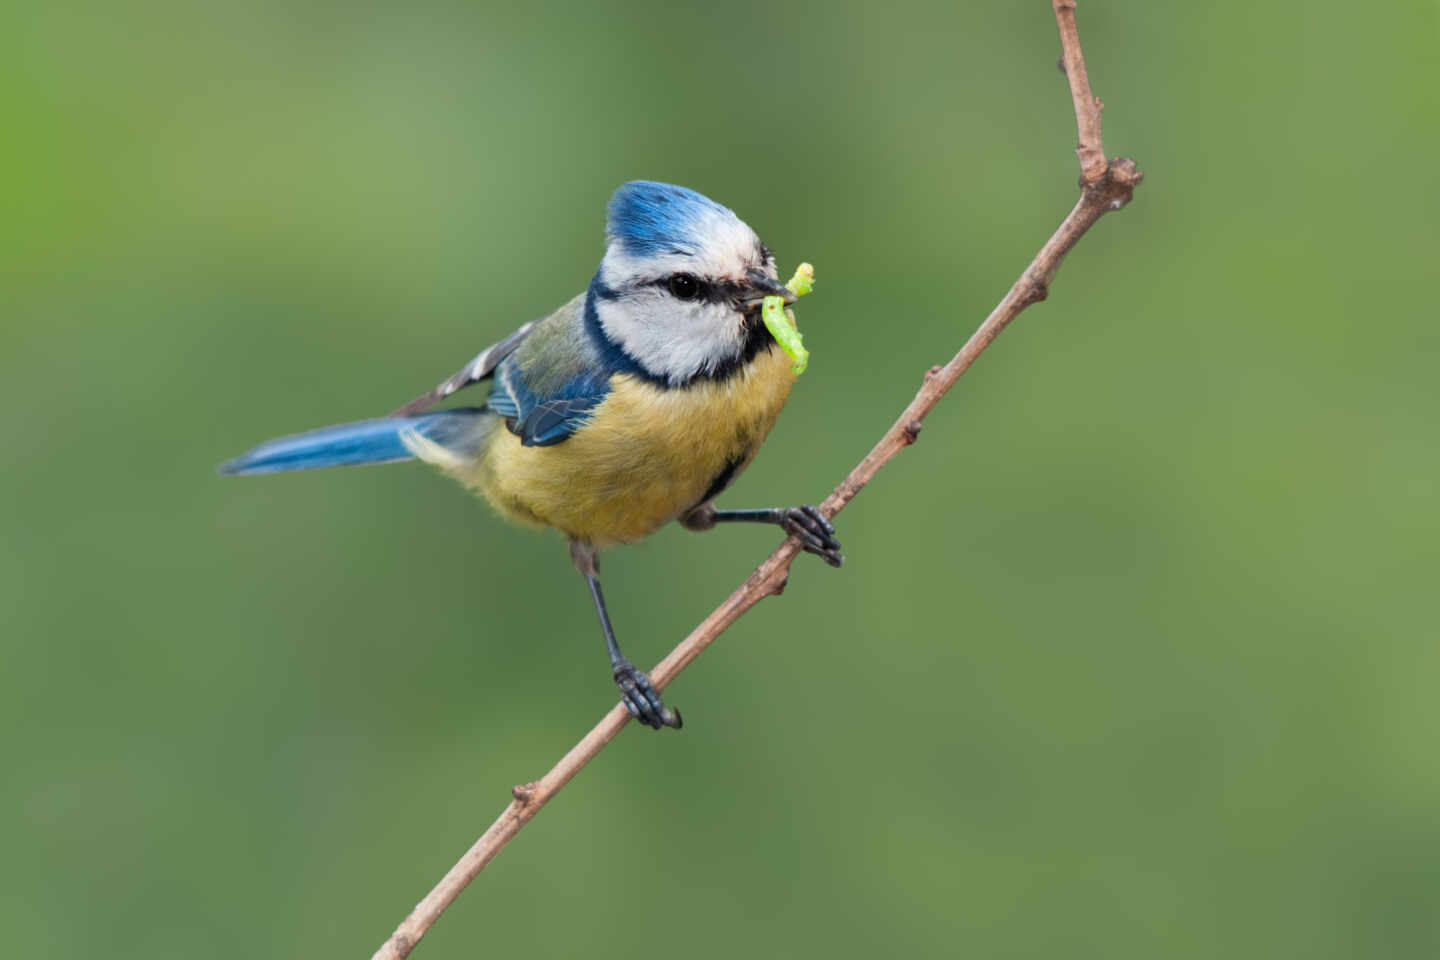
(550, 385)
(542, 420)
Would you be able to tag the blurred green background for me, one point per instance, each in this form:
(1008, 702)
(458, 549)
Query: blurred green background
(1134, 654)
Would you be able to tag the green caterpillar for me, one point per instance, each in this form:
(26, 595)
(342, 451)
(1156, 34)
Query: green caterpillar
(772, 311)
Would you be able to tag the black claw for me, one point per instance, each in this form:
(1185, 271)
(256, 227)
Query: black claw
(820, 518)
(827, 554)
(643, 700)
(815, 533)
(807, 539)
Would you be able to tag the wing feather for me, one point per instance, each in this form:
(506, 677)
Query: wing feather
(476, 370)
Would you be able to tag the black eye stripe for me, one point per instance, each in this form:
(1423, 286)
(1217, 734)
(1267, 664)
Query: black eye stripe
(707, 290)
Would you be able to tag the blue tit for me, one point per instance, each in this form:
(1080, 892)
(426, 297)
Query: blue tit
(632, 405)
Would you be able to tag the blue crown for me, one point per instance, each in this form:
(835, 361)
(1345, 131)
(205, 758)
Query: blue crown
(655, 218)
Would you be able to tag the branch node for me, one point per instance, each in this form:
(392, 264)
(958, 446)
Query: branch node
(932, 373)
(1124, 171)
(523, 793)
(1116, 186)
(912, 431)
(1038, 291)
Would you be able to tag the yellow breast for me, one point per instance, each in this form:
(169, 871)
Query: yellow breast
(647, 455)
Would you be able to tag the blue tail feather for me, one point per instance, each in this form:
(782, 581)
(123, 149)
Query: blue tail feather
(368, 441)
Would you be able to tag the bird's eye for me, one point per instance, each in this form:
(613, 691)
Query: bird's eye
(684, 286)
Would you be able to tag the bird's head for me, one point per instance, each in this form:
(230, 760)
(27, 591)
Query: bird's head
(680, 287)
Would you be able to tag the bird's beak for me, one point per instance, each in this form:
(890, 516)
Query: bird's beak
(760, 285)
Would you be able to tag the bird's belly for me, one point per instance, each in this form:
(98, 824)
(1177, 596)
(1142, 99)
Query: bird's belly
(647, 454)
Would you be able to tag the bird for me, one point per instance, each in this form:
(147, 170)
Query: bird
(632, 406)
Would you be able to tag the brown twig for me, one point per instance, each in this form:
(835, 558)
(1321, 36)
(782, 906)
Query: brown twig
(1105, 186)
(1090, 149)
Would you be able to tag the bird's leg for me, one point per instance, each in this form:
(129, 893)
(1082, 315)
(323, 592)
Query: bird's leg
(805, 523)
(640, 696)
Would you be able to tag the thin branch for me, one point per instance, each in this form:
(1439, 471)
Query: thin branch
(1090, 149)
(1104, 187)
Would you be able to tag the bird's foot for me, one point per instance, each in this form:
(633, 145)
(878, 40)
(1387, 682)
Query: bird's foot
(815, 533)
(643, 700)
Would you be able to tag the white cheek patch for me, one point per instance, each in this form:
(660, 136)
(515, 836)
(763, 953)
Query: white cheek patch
(671, 339)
